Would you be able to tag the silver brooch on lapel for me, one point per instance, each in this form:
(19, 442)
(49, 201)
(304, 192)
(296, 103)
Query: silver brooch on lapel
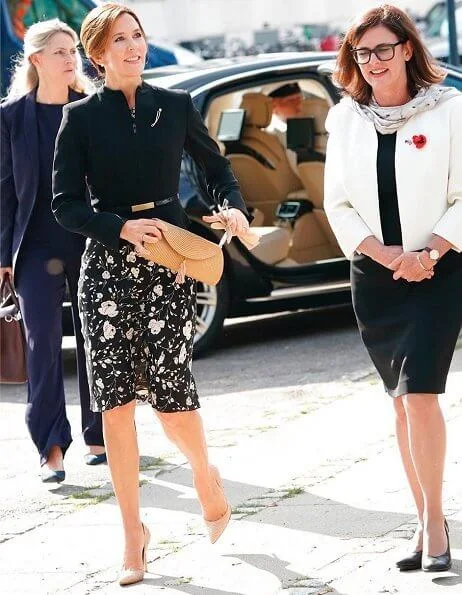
(159, 111)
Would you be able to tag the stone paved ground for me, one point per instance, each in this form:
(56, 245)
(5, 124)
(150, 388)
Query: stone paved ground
(320, 502)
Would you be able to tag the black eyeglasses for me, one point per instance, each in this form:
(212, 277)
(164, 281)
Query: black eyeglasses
(384, 52)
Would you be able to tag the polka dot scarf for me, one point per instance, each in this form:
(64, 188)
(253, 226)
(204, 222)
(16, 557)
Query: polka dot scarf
(388, 120)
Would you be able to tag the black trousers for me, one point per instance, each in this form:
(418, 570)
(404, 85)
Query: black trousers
(40, 279)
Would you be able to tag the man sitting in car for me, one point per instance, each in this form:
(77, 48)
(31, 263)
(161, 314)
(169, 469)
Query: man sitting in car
(286, 103)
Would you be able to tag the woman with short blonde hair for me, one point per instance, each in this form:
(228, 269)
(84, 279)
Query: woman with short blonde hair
(41, 254)
(393, 196)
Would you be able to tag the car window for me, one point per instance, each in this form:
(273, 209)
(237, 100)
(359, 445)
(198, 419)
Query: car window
(435, 19)
(444, 29)
(454, 81)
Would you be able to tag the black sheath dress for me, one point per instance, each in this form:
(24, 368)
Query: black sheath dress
(409, 329)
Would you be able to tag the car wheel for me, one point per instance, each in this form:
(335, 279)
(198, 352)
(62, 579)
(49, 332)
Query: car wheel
(212, 308)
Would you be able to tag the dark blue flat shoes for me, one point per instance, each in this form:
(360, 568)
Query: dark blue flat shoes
(51, 476)
(91, 459)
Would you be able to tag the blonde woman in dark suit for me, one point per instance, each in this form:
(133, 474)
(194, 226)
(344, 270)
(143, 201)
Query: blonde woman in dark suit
(42, 255)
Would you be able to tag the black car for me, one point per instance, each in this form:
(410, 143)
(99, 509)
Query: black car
(298, 263)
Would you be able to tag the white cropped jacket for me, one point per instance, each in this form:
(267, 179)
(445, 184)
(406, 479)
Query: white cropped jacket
(428, 180)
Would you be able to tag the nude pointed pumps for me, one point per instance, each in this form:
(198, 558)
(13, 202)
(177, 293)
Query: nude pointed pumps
(130, 576)
(216, 528)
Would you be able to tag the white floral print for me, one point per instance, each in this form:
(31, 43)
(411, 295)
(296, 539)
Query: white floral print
(156, 326)
(182, 356)
(187, 329)
(138, 326)
(108, 330)
(108, 308)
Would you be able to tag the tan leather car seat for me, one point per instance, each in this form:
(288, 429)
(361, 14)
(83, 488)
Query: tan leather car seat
(309, 242)
(264, 185)
(312, 172)
(317, 108)
(258, 218)
(274, 244)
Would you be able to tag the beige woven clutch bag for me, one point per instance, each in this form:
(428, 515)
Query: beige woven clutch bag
(186, 253)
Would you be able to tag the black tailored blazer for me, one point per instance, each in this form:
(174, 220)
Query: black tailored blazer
(98, 146)
(19, 170)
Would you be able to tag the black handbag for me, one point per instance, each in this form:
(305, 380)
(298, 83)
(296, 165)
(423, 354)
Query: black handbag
(12, 339)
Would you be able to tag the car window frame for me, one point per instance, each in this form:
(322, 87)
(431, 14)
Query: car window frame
(455, 73)
(204, 99)
(300, 274)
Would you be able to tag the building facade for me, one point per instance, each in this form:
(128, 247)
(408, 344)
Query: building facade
(179, 20)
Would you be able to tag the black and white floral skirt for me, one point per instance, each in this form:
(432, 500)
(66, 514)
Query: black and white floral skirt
(138, 325)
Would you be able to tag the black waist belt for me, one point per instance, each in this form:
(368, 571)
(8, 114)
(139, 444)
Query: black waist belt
(122, 209)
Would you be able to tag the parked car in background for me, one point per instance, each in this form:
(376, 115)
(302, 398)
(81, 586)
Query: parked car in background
(298, 263)
(435, 22)
(181, 54)
(439, 48)
(434, 27)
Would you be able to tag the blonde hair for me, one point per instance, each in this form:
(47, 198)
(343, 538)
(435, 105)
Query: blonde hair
(97, 25)
(25, 76)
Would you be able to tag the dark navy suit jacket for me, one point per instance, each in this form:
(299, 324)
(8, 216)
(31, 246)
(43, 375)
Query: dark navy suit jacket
(19, 171)
(99, 148)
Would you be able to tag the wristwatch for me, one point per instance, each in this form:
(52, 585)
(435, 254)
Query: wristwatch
(433, 253)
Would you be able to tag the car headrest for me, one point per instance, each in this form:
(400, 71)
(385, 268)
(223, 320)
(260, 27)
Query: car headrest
(317, 108)
(258, 109)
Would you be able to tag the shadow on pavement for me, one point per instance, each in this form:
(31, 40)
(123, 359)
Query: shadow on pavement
(278, 568)
(270, 564)
(285, 350)
(304, 512)
(451, 581)
(295, 348)
(76, 491)
(167, 581)
(253, 331)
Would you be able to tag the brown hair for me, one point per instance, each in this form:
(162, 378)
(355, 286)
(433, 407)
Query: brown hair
(422, 68)
(97, 25)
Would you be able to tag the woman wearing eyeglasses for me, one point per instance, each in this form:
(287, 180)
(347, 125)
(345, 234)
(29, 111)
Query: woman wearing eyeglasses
(393, 196)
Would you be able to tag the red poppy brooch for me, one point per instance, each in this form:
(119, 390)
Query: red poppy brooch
(418, 140)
